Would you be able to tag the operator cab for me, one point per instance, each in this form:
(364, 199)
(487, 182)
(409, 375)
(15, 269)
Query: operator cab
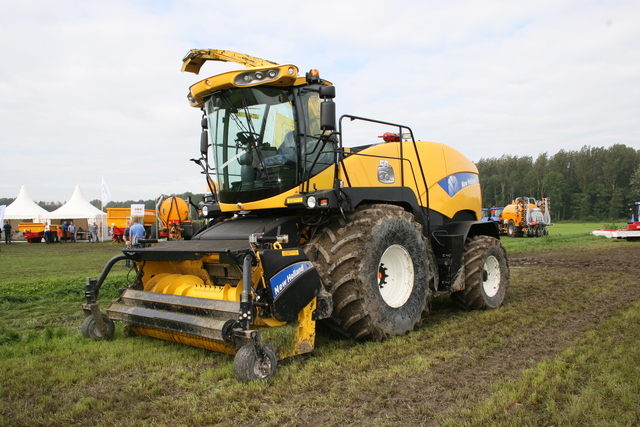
(265, 140)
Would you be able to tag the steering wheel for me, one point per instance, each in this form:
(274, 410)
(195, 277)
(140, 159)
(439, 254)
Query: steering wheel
(248, 139)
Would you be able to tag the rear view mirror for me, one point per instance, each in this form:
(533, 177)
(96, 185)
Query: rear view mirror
(328, 115)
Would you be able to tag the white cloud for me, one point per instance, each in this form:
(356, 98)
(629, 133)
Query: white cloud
(95, 88)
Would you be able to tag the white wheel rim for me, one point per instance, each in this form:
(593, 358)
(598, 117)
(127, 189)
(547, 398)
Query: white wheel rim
(395, 276)
(491, 286)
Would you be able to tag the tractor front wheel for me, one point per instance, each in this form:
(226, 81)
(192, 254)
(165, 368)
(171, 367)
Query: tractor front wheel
(487, 274)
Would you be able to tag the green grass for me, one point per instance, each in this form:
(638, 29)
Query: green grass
(561, 351)
(562, 236)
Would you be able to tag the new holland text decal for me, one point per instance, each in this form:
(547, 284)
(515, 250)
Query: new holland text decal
(456, 182)
(284, 277)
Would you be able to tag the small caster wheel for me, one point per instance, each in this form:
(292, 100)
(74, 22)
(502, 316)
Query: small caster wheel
(90, 328)
(252, 363)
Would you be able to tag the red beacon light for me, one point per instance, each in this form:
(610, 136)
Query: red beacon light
(390, 137)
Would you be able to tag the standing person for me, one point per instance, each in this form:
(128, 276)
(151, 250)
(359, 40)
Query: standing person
(93, 233)
(7, 232)
(59, 233)
(136, 233)
(47, 229)
(72, 231)
(65, 231)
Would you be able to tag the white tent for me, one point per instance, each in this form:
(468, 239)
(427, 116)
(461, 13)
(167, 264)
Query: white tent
(23, 207)
(78, 208)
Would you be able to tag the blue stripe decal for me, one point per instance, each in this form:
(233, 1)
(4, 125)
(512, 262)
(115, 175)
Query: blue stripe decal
(456, 182)
(281, 280)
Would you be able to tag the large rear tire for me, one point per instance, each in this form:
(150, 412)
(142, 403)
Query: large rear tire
(487, 274)
(375, 266)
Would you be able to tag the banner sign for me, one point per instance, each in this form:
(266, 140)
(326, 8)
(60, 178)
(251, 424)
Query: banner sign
(137, 210)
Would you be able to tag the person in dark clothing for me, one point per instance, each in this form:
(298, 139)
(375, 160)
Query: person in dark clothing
(7, 232)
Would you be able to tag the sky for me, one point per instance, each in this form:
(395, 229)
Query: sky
(94, 89)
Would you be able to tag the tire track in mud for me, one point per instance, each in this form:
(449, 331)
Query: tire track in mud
(577, 290)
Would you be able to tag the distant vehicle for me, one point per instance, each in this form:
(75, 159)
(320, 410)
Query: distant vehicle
(492, 214)
(526, 216)
(630, 232)
(33, 232)
(174, 219)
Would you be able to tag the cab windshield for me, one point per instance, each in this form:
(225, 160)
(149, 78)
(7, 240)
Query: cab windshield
(255, 140)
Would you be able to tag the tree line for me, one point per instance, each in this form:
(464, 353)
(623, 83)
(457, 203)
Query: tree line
(592, 184)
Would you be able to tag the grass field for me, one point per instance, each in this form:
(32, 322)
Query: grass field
(562, 350)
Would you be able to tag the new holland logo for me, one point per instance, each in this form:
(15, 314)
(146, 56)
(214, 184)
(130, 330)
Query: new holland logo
(282, 279)
(453, 184)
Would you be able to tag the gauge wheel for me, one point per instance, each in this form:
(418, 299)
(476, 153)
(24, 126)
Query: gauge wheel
(90, 328)
(251, 364)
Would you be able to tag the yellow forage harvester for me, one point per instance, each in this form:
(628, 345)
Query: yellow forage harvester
(300, 229)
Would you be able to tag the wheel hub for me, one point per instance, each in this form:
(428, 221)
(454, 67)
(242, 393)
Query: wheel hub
(395, 276)
(491, 277)
(262, 367)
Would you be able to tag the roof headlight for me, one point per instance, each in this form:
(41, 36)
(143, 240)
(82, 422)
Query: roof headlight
(256, 77)
(311, 202)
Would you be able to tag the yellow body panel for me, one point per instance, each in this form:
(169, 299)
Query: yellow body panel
(288, 74)
(438, 162)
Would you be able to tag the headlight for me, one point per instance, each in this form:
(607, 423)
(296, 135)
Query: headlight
(205, 211)
(255, 77)
(311, 202)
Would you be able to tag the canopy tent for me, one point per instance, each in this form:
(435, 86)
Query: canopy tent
(23, 207)
(79, 210)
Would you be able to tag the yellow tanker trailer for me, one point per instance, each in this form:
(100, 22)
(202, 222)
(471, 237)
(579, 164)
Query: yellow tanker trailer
(174, 219)
(302, 229)
(526, 216)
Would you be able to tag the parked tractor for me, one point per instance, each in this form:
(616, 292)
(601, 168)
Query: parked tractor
(492, 214)
(526, 216)
(301, 228)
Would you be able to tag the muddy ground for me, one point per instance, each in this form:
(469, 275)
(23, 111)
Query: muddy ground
(553, 299)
